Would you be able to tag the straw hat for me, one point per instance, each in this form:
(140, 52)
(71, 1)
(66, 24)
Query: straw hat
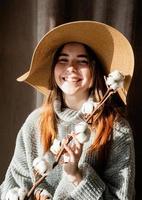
(111, 47)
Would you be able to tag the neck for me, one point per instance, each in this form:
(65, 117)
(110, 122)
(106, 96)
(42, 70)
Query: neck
(75, 102)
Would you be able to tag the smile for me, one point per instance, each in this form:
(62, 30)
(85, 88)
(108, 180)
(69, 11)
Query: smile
(71, 79)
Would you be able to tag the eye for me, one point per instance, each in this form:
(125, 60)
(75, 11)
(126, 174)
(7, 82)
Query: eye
(83, 62)
(62, 60)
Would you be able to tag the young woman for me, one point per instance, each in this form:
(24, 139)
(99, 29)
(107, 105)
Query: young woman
(100, 167)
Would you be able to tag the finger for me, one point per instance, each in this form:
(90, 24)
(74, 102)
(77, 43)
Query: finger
(45, 195)
(70, 152)
(72, 146)
(37, 194)
(77, 151)
(66, 158)
(77, 143)
(75, 148)
(64, 140)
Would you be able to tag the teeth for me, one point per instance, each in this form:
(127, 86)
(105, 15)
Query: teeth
(71, 79)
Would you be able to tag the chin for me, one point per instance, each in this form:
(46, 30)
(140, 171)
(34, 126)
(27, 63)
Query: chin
(69, 90)
(71, 93)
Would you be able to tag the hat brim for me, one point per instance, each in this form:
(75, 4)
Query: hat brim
(111, 47)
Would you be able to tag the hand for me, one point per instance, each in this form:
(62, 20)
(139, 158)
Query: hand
(73, 152)
(42, 195)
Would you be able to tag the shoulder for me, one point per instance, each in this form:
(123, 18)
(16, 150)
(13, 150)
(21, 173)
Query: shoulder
(30, 128)
(32, 120)
(34, 115)
(122, 143)
(122, 129)
(121, 123)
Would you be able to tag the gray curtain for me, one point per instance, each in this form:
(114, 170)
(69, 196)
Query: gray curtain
(22, 25)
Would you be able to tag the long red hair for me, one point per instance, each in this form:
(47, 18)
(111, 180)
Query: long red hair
(104, 123)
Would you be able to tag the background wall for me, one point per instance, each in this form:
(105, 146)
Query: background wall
(17, 39)
(22, 24)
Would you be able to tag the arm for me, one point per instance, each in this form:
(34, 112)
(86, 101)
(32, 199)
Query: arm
(120, 170)
(118, 178)
(20, 171)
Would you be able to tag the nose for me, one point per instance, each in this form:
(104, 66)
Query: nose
(72, 67)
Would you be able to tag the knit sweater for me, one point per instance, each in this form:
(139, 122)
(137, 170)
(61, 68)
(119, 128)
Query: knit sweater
(116, 181)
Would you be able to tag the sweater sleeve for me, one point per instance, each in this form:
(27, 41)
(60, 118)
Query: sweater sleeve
(117, 181)
(17, 174)
(20, 171)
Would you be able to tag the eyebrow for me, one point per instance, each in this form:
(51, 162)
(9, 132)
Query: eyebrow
(79, 56)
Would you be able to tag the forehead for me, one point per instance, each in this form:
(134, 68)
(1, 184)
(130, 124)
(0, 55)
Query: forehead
(74, 47)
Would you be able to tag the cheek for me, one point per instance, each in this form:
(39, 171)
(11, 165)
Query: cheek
(58, 70)
(87, 74)
(89, 78)
(57, 74)
(56, 77)
(91, 82)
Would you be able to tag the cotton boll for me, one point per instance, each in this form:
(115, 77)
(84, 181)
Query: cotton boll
(87, 107)
(115, 80)
(83, 137)
(16, 194)
(117, 75)
(41, 165)
(36, 161)
(22, 192)
(116, 85)
(110, 81)
(82, 133)
(80, 127)
(55, 148)
(12, 194)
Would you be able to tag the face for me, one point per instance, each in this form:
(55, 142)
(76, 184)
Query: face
(72, 71)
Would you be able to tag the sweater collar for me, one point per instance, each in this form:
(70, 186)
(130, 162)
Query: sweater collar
(66, 114)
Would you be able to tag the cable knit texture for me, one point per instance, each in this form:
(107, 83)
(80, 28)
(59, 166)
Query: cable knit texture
(117, 181)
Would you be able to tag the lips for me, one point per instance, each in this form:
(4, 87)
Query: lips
(71, 78)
